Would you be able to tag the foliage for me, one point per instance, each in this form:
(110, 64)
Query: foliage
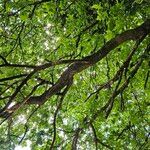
(74, 74)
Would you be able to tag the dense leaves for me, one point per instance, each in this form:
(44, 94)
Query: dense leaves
(74, 74)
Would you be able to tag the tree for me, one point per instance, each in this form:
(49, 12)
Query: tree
(74, 74)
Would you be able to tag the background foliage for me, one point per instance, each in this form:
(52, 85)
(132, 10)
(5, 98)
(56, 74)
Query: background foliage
(38, 32)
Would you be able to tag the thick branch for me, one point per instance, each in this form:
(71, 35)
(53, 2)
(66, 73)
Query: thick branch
(76, 67)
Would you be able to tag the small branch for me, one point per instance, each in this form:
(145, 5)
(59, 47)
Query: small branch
(25, 132)
(108, 107)
(18, 66)
(6, 97)
(75, 139)
(143, 146)
(16, 92)
(108, 69)
(17, 39)
(120, 71)
(95, 136)
(5, 61)
(26, 127)
(13, 77)
(105, 145)
(146, 80)
(44, 66)
(9, 86)
(109, 104)
(55, 115)
(32, 12)
(128, 127)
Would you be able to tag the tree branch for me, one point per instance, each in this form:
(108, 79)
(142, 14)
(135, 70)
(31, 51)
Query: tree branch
(76, 67)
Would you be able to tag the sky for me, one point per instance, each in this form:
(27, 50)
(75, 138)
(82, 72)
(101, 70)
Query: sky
(18, 147)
